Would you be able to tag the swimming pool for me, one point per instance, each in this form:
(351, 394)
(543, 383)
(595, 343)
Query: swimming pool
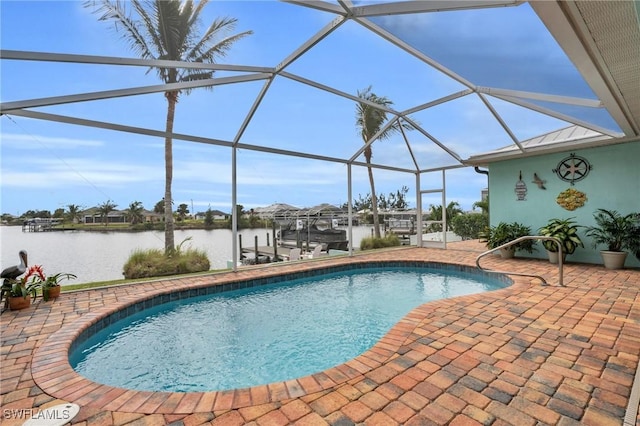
(261, 334)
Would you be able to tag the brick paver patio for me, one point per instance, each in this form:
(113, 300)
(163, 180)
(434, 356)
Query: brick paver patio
(524, 355)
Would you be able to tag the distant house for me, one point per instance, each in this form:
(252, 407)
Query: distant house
(151, 216)
(93, 216)
(276, 210)
(217, 215)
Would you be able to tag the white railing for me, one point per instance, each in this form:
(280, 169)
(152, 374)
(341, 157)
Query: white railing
(518, 240)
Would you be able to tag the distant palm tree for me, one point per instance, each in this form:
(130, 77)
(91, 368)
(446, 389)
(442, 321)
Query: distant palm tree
(159, 207)
(483, 205)
(369, 121)
(73, 213)
(104, 209)
(167, 30)
(183, 211)
(453, 209)
(135, 212)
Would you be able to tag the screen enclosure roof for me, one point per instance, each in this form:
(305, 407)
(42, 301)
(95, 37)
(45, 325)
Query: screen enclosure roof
(474, 79)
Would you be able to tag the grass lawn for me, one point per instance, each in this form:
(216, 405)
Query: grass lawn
(98, 284)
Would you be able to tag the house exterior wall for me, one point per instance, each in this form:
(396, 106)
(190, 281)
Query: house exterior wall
(613, 184)
(114, 218)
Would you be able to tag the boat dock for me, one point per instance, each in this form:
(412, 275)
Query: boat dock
(39, 224)
(273, 254)
(258, 254)
(264, 254)
(401, 227)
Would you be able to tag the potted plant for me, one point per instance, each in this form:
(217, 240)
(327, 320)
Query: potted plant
(634, 246)
(615, 231)
(564, 230)
(51, 284)
(506, 232)
(21, 294)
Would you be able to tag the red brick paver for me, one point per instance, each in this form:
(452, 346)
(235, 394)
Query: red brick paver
(523, 355)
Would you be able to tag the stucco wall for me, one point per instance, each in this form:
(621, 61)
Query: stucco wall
(613, 184)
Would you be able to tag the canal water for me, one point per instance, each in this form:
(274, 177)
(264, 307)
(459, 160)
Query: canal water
(100, 256)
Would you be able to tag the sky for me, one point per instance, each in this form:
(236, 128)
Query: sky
(47, 165)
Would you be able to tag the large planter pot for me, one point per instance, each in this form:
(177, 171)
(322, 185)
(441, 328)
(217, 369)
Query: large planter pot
(553, 256)
(613, 259)
(50, 293)
(18, 302)
(507, 253)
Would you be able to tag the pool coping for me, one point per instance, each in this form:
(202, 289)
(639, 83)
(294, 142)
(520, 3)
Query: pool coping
(52, 372)
(525, 354)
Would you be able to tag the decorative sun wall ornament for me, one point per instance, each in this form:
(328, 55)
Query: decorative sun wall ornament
(571, 199)
(573, 168)
(521, 189)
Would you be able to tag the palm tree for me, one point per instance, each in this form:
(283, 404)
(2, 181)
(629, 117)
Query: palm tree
(453, 210)
(104, 209)
(134, 212)
(435, 214)
(369, 121)
(74, 213)
(159, 207)
(168, 30)
(482, 205)
(183, 211)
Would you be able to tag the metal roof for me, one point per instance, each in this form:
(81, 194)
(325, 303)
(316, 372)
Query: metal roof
(560, 140)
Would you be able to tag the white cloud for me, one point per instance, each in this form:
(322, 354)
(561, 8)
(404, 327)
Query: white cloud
(261, 172)
(45, 173)
(20, 141)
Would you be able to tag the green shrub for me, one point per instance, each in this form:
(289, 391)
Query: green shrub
(369, 243)
(148, 226)
(154, 263)
(507, 232)
(469, 225)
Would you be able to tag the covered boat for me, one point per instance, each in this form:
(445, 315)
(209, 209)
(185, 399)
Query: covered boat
(312, 233)
(313, 226)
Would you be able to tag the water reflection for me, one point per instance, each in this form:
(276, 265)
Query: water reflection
(100, 256)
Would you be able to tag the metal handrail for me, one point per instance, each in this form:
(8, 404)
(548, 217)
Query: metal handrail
(516, 241)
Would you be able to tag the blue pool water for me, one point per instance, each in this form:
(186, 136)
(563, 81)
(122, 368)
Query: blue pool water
(262, 334)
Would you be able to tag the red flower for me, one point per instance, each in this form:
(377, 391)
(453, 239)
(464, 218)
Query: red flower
(34, 270)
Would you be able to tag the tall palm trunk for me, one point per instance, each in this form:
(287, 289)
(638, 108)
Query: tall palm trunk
(169, 243)
(374, 198)
(369, 120)
(168, 30)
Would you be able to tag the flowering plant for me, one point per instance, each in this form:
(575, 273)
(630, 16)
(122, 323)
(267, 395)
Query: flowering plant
(37, 276)
(34, 273)
(29, 284)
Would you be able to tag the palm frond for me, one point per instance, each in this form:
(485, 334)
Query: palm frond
(170, 29)
(194, 13)
(370, 119)
(195, 75)
(116, 11)
(149, 17)
(216, 42)
(220, 49)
